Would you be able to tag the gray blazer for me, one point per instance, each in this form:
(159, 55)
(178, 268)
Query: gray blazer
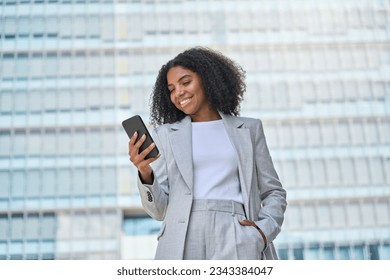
(169, 198)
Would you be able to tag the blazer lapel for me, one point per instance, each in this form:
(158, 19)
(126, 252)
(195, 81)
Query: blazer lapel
(241, 140)
(181, 141)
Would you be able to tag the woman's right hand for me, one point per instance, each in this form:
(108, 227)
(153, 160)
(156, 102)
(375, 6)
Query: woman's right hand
(138, 159)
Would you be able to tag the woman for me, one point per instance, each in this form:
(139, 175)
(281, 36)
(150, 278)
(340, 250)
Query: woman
(213, 185)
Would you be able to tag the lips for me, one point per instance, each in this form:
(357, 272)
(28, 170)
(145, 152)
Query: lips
(185, 101)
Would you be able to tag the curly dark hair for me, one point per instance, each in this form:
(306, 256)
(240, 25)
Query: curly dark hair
(223, 82)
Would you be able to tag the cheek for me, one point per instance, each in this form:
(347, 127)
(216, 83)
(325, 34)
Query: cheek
(171, 97)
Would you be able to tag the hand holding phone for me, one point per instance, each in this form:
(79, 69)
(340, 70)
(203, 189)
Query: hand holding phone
(135, 124)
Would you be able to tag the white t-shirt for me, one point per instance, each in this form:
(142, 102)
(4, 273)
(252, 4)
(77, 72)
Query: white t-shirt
(215, 163)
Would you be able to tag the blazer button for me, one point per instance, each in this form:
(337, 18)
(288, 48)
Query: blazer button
(150, 198)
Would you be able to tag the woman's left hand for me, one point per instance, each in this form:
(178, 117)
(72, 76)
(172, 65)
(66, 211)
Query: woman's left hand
(253, 224)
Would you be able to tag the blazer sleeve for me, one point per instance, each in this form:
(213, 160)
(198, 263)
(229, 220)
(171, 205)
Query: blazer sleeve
(272, 194)
(154, 197)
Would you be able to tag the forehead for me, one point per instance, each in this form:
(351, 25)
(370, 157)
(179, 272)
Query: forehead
(176, 73)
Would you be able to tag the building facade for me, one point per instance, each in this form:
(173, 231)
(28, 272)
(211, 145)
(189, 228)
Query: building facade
(72, 70)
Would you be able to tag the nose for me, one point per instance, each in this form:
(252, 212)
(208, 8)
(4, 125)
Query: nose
(179, 91)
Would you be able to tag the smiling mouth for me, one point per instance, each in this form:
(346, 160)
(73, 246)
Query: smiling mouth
(185, 101)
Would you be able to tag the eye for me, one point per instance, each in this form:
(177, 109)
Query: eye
(186, 83)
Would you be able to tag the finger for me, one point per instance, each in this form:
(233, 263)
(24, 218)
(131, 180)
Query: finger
(247, 223)
(150, 160)
(137, 159)
(138, 144)
(133, 138)
(145, 152)
(132, 141)
(134, 147)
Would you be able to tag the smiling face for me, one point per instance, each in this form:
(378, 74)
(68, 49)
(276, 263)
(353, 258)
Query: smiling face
(187, 94)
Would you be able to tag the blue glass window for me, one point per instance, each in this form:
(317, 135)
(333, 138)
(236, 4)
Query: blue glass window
(5, 143)
(5, 184)
(140, 226)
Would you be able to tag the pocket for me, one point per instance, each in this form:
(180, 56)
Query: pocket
(161, 232)
(252, 233)
(257, 235)
(249, 241)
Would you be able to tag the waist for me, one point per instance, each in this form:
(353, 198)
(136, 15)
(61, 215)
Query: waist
(229, 206)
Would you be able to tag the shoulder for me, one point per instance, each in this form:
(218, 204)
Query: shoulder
(162, 127)
(252, 123)
(161, 131)
(168, 127)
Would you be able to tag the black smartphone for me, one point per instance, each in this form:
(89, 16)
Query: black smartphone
(136, 124)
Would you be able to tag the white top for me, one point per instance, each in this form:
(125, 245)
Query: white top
(215, 163)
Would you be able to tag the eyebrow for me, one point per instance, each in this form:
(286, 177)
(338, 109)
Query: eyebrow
(182, 77)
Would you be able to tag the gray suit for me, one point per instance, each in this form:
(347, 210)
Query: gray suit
(171, 195)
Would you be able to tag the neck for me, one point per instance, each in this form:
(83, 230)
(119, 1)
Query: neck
(206, 117)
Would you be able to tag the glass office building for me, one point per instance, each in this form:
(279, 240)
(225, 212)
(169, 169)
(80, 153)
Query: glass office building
(318, 75)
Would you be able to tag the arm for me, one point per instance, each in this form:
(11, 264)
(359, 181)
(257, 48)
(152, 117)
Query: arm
(152, 178)
(272, 194)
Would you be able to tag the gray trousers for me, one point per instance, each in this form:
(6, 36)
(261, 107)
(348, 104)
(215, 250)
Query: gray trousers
(214, 233)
